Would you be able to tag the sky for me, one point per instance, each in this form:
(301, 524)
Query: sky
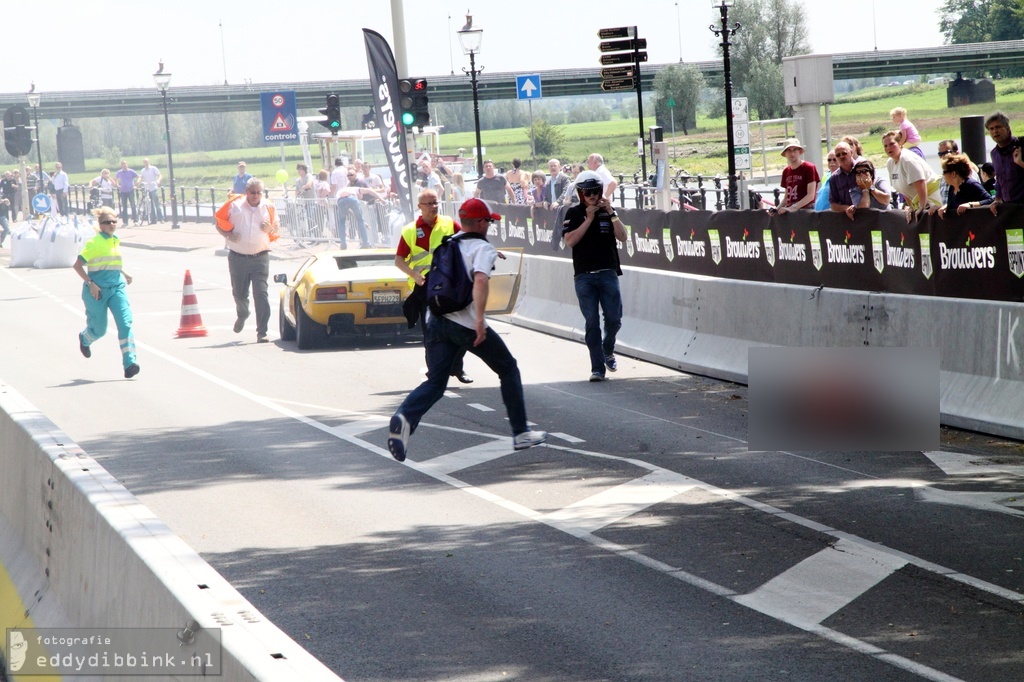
(90, 45)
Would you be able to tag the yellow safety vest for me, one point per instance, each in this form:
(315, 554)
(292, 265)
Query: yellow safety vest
(419, 258)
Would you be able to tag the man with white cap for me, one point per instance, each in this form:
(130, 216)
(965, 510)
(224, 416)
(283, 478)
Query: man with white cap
(799, 179)
(466, 329)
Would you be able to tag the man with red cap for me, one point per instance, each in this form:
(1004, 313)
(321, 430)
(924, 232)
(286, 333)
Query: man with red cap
(466, 329)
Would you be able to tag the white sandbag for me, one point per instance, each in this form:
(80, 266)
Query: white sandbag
(59, 245)
(24, 245)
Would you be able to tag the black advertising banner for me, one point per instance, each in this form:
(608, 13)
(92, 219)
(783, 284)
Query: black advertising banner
(384, 88)
(974, 256)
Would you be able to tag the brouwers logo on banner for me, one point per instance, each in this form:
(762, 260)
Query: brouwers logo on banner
(792, 251)
(816, 257)
(517, 231)
(1015, 251)
(690, 248)
(645, 244)
(769, 247)
(926, 255)
(716, 246)
(967, 257)
(742, 248)
(896, 256)
(666, 239)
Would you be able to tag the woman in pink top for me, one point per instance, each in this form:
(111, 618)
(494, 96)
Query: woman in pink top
(908, 135)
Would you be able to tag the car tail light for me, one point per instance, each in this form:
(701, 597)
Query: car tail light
(332, 293)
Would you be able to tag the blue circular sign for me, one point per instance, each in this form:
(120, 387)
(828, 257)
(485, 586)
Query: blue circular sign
(41, 203)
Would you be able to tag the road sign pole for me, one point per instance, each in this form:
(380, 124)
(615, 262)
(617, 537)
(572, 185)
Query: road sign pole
(533, 139)
(672, 115)
(640, 112)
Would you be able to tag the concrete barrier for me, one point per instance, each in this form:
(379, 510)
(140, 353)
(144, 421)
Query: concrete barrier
(705, 325)
(78, 550)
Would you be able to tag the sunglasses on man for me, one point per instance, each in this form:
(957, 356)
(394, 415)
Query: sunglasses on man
(591, 192)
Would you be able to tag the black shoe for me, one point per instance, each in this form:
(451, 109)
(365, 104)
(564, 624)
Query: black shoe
(463, 377)
(398, 436)
(131, 370)
(239, 324)
(86, 351)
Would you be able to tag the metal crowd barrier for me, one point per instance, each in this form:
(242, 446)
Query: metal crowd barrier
(315, 221)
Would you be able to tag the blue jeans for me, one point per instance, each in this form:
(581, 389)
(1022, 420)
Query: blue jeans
(344, 204)
(158, 210)
(126, 198)
(444, 340)
(594, 289)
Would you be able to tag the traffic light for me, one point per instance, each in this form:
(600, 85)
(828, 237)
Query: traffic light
(414, 102)
(17, 133)
(333, 114)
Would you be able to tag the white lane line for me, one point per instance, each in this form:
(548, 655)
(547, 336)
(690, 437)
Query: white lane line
(567, 438)
(482, 408)
(463, 459)
(615, 504)
(822, 584)
(361, 426)
(451, 394)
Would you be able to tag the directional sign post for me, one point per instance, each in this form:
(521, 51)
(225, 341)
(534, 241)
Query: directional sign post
(41, 203)
(620, 45)
(741, 133)
(528, 88)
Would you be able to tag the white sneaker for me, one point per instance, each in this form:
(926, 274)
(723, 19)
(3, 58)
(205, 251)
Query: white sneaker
(398, 438)
(527, 439)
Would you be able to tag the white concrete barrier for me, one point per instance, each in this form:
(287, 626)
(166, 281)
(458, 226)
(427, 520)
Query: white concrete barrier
(705, 325)
(78, 550)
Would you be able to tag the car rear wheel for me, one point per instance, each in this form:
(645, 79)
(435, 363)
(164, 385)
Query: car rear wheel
(284, 327)
(308, 334)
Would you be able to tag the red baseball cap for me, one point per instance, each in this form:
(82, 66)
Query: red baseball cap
(476, 209)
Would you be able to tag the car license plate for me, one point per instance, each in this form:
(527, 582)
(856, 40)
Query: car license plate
(386, 296)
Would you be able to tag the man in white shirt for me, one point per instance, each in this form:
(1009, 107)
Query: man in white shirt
(60, 188)
(249, 223)
(466, 329)
(150, 176)
(595, 162)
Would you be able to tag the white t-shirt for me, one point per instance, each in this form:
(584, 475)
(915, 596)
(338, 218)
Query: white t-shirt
(909, 170)
(339, 179)
(479, 256)
(149, 175)
(606, 177)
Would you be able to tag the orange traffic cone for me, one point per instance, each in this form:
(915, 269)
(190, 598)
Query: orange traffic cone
(191, 321)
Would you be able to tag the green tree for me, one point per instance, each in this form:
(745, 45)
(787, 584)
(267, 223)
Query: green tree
(683, 85)
(979, 21)
(548, 140)
(769, 30)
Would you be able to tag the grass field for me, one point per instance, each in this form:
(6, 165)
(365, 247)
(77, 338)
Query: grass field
(702, 151)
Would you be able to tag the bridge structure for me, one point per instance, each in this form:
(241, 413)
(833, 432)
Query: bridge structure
(969, 59)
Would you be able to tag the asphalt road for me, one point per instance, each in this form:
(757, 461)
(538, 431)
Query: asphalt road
(644, 542)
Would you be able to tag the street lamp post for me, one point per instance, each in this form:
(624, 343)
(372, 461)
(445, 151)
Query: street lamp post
(163, 80)
(33, 101)
(725, 32)
(470, 39)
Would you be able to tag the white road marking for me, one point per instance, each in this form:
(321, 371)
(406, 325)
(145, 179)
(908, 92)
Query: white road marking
(451, 394)
(482, 408)
(822, 584)
(959, 464)
(364, 425)
(615, 504)
(567, 438)
(1001, 502)
(463, 459)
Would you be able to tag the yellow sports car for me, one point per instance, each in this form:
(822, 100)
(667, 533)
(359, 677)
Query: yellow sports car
(362, 292)
(343, 292)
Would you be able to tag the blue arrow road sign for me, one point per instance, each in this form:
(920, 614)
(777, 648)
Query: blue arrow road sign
(528, 87)
(41, 203)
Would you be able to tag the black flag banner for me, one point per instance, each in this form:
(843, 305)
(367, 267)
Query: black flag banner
(384, 88)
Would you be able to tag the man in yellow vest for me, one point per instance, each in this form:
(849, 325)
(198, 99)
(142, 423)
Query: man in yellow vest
(415, 251)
